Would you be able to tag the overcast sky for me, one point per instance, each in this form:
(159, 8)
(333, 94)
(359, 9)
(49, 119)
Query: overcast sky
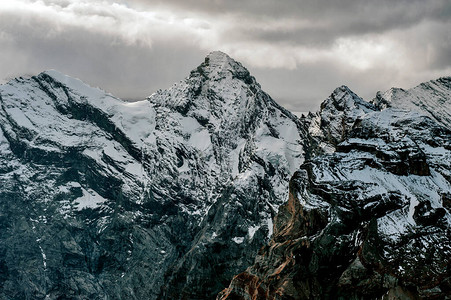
(298, 50)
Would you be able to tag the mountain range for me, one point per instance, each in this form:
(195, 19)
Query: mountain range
(212, 187)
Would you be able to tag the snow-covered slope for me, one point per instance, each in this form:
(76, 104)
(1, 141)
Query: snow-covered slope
(431, 98)
(138, 199)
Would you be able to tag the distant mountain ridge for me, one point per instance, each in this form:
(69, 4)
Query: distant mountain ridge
(171, 196)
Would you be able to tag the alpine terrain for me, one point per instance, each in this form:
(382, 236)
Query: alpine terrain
(368, 217)
(212, 187)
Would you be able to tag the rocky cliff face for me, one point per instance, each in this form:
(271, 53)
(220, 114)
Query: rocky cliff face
(164, 198)
(367, 219)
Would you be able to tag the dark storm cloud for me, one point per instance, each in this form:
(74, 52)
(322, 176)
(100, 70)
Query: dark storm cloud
(324, 31)
(320, 22)
(344, 16)
(315, 23)
(311, 9)
(299, 50)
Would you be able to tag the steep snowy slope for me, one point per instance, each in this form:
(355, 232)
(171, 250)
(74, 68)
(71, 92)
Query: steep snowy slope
(68, 164)
(162, 198)
(430, 98)
(370, 218)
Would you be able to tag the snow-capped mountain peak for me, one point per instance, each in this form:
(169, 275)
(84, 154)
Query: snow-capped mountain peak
(218, 66)
(219, 85)
(338, 113)
(344, 99)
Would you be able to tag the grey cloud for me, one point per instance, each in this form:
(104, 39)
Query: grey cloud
(329, 20)
(339, 10)
(341, 19)
(127, 71)
(303, 89)
(273, 8)
(441, 58)
(430, 45)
